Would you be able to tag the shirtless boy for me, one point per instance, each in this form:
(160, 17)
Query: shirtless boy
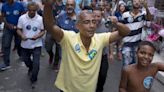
(139, 77)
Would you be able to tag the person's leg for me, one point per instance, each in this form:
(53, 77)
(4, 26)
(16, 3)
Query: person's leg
(49, 42)
(102, 73)
(26, 56)
(133, 55)
(57, 56)
(14, 48)
(126, 56)
(17, 41)
(6, 45)
(36, 63)
(1, 52)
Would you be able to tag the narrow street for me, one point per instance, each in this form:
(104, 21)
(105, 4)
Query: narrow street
(17, 80)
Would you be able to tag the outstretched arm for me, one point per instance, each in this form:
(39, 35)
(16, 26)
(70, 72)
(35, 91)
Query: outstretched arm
(160, 66)
(49, 21)
(148, 14)
(122, 30)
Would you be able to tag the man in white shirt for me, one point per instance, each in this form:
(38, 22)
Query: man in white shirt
(30, 29)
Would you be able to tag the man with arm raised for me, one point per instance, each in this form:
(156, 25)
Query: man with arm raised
(81, 52)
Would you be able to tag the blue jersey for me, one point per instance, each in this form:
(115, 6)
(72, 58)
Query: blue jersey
(66, 22)
(12, 12)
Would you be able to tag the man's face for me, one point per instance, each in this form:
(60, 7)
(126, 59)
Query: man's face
(108, 7)
(93, 4)
(145, 55)
(70, 6)
(87, 24)
(98, 15)
(32, 11)
(136, 4)
(102, 5)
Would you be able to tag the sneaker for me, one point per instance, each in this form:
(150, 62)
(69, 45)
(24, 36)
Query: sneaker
(4, 67)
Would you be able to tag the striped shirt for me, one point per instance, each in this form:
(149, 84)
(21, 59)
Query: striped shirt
(135, 24)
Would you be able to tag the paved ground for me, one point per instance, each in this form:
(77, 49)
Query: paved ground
(16, 79)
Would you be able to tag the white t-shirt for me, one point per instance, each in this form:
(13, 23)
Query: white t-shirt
(31, 27)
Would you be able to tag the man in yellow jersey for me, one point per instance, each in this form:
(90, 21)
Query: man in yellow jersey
(81, 52)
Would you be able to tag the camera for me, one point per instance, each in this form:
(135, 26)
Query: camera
(108, 23)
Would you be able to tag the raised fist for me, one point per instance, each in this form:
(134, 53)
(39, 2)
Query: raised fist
(113, 19)
(144, 3)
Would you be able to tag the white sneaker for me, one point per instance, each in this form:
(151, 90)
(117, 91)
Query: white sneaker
(4, 67)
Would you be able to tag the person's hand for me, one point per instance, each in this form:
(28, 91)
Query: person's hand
(34, 37)
(144, 3)
(111, 58)
(12, 27)
(23, 37)
(113, 19)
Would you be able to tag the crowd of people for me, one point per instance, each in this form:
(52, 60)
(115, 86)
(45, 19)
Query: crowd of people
(86, 35)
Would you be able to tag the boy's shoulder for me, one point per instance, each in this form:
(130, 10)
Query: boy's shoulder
(159, 66)
(129, 67)
(153, 67)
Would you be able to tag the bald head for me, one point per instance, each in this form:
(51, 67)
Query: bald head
(86, 23)
(71, 1)
(83, 14)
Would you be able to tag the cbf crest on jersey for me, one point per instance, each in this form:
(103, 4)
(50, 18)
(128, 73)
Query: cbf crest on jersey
(77, 48)
(7, 13)
(148, 82)
(140, 18)
(28, 27)
(92, 54)
(16, 12)
(66, 21)
(130, 19)
(34, 28)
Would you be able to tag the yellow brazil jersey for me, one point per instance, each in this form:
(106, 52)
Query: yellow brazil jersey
(79, 69)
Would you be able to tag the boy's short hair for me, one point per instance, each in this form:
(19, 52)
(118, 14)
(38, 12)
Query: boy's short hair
(146, 43)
